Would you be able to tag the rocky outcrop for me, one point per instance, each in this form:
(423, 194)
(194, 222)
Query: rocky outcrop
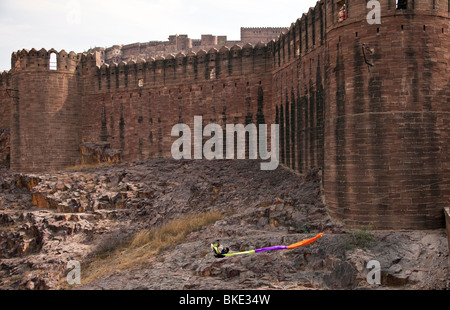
(94, 153)
(47, 220)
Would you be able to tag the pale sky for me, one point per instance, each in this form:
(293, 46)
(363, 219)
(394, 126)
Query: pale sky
(77, 25)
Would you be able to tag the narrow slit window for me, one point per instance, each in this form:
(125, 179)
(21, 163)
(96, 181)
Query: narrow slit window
(53, 62)
(402, 4)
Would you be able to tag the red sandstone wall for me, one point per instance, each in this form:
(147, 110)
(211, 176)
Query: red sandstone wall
(298, 86)
(254, 35)
(5, 114)
(381, 136)
(224, 87)
(387, 132)
(5, 100)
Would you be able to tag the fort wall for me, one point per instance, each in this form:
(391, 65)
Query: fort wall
(254, 35)
(183, 44)
(379, 132)
(386, 132)
(135, 105)
(45, 116)
(5, 114)
(5, 93)
(366, 103)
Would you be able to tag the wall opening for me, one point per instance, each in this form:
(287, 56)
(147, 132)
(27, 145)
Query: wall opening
(342, 10)
(402, 4)
(212, 73)
(53, 62)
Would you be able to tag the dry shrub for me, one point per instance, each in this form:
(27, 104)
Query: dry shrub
(137, 250)
(174, 232)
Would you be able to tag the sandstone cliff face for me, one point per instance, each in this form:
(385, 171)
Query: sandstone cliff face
(47, 220)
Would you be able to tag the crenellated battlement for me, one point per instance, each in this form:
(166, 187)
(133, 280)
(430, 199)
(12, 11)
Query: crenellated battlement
(89, 62)
(5, 79)
(195, 66)
(311, 30)
(303, 36)
(43, 60)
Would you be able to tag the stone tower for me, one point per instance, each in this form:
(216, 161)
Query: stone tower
(387, 123)
(368, 103)
(45, 111)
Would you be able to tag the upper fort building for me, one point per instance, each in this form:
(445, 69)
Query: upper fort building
(182, 43)
(366, 102)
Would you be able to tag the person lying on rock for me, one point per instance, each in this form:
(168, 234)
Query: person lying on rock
(219, 250)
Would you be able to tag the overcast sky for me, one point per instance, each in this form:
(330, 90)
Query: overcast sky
(77, 25)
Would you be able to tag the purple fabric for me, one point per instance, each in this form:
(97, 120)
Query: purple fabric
(275, 248)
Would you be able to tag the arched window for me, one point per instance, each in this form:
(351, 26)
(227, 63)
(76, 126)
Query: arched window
(53, 62)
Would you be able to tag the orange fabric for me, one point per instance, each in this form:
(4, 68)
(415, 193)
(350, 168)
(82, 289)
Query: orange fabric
(304, 242)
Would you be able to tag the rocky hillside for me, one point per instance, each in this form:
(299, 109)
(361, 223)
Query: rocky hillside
(48, 220)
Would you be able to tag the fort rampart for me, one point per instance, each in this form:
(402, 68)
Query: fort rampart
(367, 103)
